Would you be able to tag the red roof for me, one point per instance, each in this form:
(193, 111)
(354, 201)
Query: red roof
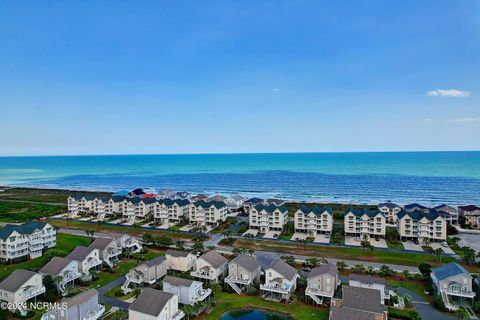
(148, 195)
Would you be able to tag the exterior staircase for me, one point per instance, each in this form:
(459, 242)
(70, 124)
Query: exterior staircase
(447, 303)
(234, 286)
(125, 285)
(314, 297)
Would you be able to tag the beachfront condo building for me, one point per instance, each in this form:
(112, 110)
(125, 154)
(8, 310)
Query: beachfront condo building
(448, 212)
(363, 223)
(80, 204)
(313, 220)
(171, 210)
(26, 240)
(471, 213)
(268, 218)
(137, 209)
(421, 226)
(390, 211)
(203, 213)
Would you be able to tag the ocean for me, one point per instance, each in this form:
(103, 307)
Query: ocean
(404, 177)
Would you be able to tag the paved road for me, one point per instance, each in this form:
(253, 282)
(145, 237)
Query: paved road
(425, 309)
(114, 302)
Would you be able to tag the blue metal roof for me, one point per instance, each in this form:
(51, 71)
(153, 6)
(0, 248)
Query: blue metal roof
(449, 270)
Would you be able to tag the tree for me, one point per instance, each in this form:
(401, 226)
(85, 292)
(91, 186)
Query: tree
(425, 269)
(51, 292)
(438, 253)
(237, 250)
(136, 292)
(469, 255)
(386, 271)
(358, 268)
(341, 265)
(289, 259)
(406, 273)
(312, 262)
(197, 247)
(180, 244)
(188, 310)
(147, 238)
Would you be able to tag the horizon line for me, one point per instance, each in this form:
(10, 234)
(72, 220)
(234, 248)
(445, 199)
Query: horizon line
(226, 153)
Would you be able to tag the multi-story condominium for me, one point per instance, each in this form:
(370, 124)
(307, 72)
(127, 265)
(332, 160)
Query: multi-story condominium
(390, 211)
(126, 242)
(209, 266)
(88, 259)
(280, 281)
(471, 214)
(454, 284)
(100, 206)
(171, 210)
(108, 250)
(370, 282)
(250, 203)
(448, 212)
(364, 223)
(154, 304)
(358, 303)
(243, 271)
(181, 261)
(115, 206)
(268, 218)
(136, 209)
(204, 213)
(188, 291)
(80, 204)
(147, 273)
(21, 286)
(83, 306)
(26, 240)
(424, 227)
(313, 220)
(235, 202)
(415, 207)
(63, 268)
(322, 282)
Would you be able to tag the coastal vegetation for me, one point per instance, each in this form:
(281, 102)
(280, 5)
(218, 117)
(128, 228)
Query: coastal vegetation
(12, 211)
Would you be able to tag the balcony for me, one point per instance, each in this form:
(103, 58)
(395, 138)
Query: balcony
(240, 281)
(33, 292)
(274, 288)
(179, 315)
(460, 293)
(320, 293)
(202, 294)
(203, 275)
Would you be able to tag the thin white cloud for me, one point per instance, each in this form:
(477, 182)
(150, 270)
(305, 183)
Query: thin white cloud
(276, 90)
(450, 93)
(467, 119)
(427, 120)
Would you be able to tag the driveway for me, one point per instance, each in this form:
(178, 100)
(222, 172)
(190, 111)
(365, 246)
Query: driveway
(436, 245)
(299, 236)
(410, 245)
(351, 241)
(271, 234)
(253, 232)
(425, 309)
(114, 302)
(321, 238)
(381, 243)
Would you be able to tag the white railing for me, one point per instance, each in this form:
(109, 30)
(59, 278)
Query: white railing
(319, 292)
(202, 294)
(273, 288)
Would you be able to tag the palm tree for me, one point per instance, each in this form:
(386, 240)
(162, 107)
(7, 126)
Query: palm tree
(438, 253)
(188, 310)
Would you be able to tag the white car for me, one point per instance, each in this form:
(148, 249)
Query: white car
(444, 244)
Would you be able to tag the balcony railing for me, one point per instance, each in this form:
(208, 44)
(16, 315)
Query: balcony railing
(273, 288)
(318, 292)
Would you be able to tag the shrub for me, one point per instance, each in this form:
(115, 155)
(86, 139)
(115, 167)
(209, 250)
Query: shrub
(118, 293)
(251, 291)
(438, 303)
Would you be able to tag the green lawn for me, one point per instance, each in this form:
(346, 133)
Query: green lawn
(65, 244)
(105, 277)
(148, 256)
(228, 301)
(11, 211)
(111, 293)
(343, 253)
(415, 286)
(99, 227)
(397, 245)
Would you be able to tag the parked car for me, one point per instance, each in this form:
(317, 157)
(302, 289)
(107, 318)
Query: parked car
(444, 244)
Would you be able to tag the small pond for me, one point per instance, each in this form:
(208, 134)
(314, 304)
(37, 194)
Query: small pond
(252, 314)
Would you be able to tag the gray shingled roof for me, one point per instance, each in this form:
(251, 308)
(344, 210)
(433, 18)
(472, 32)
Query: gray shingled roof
(247, 261)
(55, 266)
(80, 298)
(367, 279)
(362, 299)
(155, 261)
(283, 268)
(151, 302)
(214, 258)
(328, 268)
(15, 280)
(101, 243)
(177, 253)
(176, 281)
(350, 314)
(80, 253)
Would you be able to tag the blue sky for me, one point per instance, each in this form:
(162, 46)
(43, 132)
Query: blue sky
(120, 77)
